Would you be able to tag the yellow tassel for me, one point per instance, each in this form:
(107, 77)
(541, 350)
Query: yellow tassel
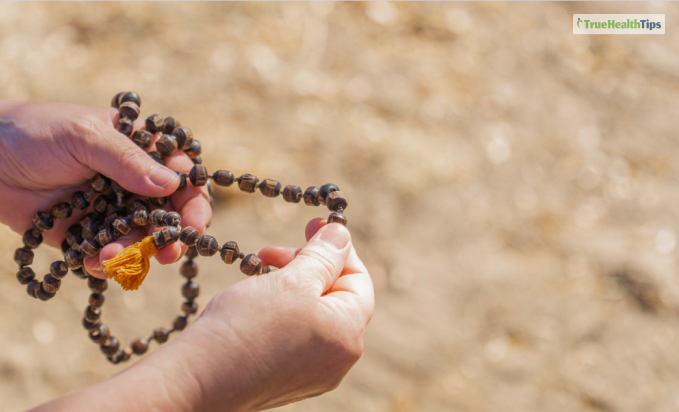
(131, 265)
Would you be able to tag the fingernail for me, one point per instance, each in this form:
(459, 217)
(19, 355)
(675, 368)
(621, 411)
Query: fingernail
(337, 235)
(163, 177)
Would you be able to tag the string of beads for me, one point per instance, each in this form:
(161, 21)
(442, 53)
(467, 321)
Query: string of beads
(115, 211)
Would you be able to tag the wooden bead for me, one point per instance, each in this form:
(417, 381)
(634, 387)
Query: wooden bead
(189, 308)
(65, 246)
(129, 110)
(223, 178)
(173, 219)
(73, 259)
(336, 201)
(25, 275)
(230, 252)
(251, 265)
(269, 269)
(126, 354)
(50, 284)
(89, 325)
(142, 138)
(157, 157)
(180, 323)
(161, 335)
(326, 189)
(59, 269)
(155, 123)
(79, 273)
(270, 188)
(43, 221)
(32, 238)
(131, 97)
(197, 160)
(97, 285)
(184, 137)
(92, 313)
(79, 201)
(170, 124)
(190, 290)
(89, 218)
(32, 287)
(207, 245)
(23, 256)
(158, 201)
(166, 236)
(100, 204)
(110, 346)
(104, 237)
(100, 334)
(100, 183)
(125, 126)
(292, 194)
(61, 211)
(157, 218)
(194, 150)
(89, 231)
(140, 346)
(43, 294)
(97, 300)
(189, 236)
(198, 175)
(248, 183)
(311, 197)
(89, 247)
(189, 270)
(183, 178)
(137, 204)
(115, 102)
(191, 252)
(166, 145)
(122, 225)
(140, 217)
(337, 218)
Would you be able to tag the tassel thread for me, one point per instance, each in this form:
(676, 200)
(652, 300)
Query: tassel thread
(131, 265)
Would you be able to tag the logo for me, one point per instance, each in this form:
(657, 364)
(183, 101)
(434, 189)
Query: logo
(618, 24)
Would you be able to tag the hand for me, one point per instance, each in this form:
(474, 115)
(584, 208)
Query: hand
(48, 151)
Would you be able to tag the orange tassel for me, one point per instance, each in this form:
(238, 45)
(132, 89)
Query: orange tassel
(131, 265)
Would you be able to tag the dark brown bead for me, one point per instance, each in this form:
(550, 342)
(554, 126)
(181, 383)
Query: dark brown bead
(194, 150)
(230, 252)
(42, 293)
(88, 218)
(166, 236)
(89, 247)
(189, 308)
(100, 204)
(43, 221)
(189, 269)
(131, 97)
(311, 197)
(157, 157)
(142, 138)
(120, 193)
(198, 175)
(78, 200)
(100, 334)
(104, 237)
(137, 204)
(326, 189)
(89, 231)
(23, 256)
(336, 201)
(129, 110)
(79, 273)
(197, 160)
(248, 183)
(270, 188)
(173, 219)
(190, 290)
(25, 275)
(51, 284)
(337, 218)
(140, 346)
(223, 178)
(189, 236)
(140, 217)
(160, 335)
(32, 238)
(100, 183)
(126, 354)
(251, 265)
(155, 123)
(184, 137)
(59, 269)
(182, 180)
(32, 288)
(122, 225)
(92, 313)
(110, 346)
(191, 252)
(97, 300)
(180, 323)
(73, 259)
(115, 102)
(292, 194)
(269, 269)
(207, 245)
(125, 126)
(61, 211)
(65, 246)
(166, 145)
(157, 218)
(158, 201)
(89, 325)
(97, 285)
(170, 124)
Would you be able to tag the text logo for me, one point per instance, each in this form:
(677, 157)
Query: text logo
(618, 24)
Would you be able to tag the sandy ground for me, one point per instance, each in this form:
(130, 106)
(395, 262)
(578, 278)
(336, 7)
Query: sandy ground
(513, 188)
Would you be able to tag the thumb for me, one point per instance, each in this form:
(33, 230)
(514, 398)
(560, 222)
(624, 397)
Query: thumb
(323, 258)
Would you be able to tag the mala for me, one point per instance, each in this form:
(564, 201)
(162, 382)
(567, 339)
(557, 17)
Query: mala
(116, 211)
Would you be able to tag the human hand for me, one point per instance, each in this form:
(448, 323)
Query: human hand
(49, 150)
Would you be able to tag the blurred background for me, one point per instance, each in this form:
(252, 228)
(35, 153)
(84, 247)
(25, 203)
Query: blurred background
(513, 188)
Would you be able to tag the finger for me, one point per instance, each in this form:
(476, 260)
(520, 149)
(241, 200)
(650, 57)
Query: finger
(95, 264)
(314, 226)
(278, 256)
(354, 286)
(322, 259)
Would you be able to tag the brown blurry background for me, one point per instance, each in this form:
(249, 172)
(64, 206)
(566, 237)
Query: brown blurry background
(513, 188)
